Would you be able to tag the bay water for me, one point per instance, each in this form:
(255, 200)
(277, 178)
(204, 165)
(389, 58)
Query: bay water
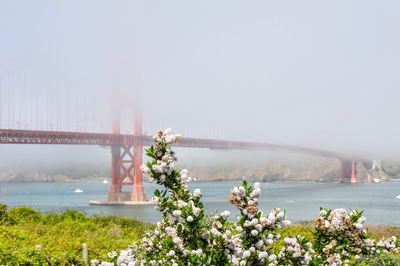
(301, 200)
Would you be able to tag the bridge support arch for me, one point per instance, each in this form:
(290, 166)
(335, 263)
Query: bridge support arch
(126, 160)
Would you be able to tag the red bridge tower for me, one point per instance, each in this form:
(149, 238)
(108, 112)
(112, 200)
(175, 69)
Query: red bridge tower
(126, 160)
(348, 172)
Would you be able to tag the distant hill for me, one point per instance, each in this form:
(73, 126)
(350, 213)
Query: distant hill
(55, 174)
(313, 169)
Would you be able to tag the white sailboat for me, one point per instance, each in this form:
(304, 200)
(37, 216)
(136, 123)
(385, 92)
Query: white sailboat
(105, 181)
(78, 191)
(398, 196)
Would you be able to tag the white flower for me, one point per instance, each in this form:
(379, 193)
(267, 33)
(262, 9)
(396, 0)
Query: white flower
(171, 253)
(254, 232)
(287, 240)
(269, 241)
(112, 254)
(235, 190)
(239, 229)
(176, 213)
(197, 193)
(280, 216)
(254, 221)
(162, 178)
(169, 138)
(235, 261)
(362, 220)
(225, 214)
(260, 244)
(258, 227)
(184, 172)
(94, 262)
(246, 254)
(358, 226)
(327, 224)
(263, 255)
(199, 252)
(182, 204)
(286, 223)
(272, 258)
(214, 231)
(189, 219)
(196, 211)
(144, 169)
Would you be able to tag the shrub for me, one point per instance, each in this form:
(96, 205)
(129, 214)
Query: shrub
(3, 214)
(23, 215)
(186, 236)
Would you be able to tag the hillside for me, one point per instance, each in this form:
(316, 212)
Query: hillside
(315, 170)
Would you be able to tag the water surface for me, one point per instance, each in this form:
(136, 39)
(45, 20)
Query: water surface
(301, 200)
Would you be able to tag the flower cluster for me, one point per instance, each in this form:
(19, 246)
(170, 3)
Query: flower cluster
(255, 232)
(163, 163)
(340, 237)
(296, 251)
(186, 236)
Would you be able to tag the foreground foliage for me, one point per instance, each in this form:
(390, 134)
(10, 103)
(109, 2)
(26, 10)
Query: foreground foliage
(186, 236)
(28, 237)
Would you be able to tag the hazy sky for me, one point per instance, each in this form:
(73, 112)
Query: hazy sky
(321, 74)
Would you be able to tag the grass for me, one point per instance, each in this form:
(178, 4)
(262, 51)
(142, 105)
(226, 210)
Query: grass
(61, 235)
(379, 231)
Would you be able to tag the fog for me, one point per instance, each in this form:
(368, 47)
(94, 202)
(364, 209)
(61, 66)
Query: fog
(309, 73)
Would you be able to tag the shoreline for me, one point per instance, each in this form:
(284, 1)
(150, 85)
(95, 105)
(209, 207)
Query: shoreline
(84, 180)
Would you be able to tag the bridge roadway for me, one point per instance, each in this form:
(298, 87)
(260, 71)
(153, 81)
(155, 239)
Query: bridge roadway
(12, 136)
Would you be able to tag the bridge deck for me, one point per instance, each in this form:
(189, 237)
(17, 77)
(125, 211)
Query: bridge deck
(8, 136)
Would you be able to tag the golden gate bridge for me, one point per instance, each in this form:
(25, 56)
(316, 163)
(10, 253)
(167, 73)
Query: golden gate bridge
(31, 121)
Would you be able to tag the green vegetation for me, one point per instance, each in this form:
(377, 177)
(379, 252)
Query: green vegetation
(60, 236)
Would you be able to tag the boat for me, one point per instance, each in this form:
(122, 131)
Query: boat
(78, 191)
(105, 181)
(398, 196)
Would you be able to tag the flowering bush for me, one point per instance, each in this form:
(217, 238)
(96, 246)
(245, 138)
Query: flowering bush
(187, 236)
(255, 233)
(340, 238)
